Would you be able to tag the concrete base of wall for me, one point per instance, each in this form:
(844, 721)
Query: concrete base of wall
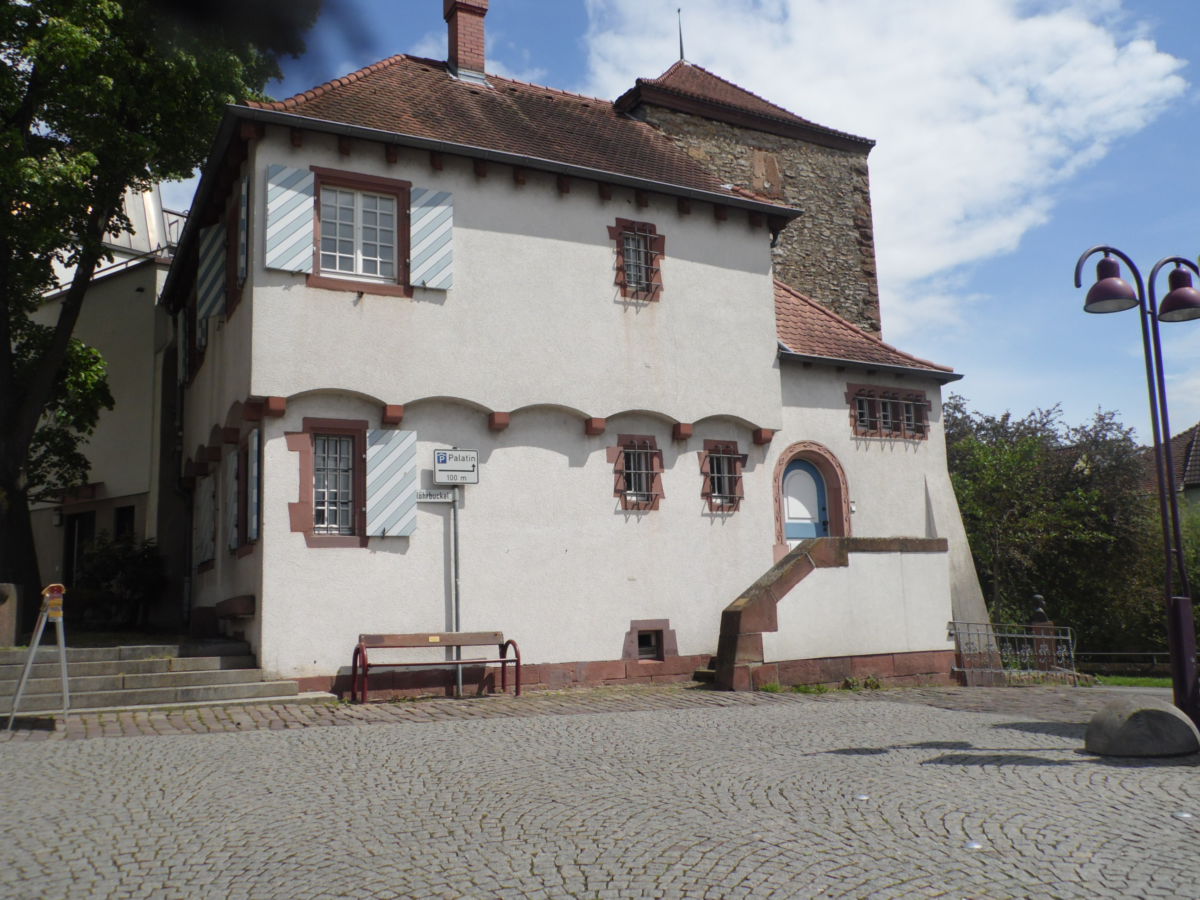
(925, 667)
(389, 684)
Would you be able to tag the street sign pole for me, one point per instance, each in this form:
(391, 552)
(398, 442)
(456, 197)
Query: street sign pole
(454, 467)
(457, 591)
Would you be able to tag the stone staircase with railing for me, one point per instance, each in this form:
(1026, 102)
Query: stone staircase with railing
(192, 672)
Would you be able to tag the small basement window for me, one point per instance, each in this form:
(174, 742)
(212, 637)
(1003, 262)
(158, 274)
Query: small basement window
(649, 644)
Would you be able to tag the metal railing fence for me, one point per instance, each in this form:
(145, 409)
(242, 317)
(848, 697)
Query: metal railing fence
(987, 654)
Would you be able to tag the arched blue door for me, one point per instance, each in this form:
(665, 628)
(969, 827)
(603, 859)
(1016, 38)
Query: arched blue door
(805, 511)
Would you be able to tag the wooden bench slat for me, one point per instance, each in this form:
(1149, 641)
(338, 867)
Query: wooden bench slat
(432, 639)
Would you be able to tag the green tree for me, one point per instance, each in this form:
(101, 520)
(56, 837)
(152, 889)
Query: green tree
(1063, 512)
(96, 97)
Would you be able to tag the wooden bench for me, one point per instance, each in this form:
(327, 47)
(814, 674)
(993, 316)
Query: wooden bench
(360, 667)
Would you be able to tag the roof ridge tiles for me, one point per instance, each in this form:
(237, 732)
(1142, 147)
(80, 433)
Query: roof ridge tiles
(783, 115)
(552, 90)
(314, 92)
(683, 62)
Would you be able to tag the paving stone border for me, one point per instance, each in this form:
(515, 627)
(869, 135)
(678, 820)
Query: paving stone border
(1047, 703)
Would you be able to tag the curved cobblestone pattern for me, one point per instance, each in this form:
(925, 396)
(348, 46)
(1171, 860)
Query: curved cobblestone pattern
(778, 796)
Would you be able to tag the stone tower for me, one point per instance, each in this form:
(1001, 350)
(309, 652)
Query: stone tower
(829, 252)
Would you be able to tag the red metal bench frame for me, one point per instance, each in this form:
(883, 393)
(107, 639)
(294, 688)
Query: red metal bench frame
(360, 665)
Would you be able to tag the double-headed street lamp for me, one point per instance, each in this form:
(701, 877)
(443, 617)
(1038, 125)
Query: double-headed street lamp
(1109, 294)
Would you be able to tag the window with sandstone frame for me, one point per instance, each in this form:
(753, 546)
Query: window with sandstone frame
(721, 469)
(639, 252)
(637, 471)
(887, 412)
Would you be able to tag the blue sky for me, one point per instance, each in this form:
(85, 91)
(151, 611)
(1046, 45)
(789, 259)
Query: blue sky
(1012, 135)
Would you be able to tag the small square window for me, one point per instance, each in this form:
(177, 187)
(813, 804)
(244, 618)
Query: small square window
(637, 471)
(123, 521)
(650, 644)
(721, 467)
(639, 252)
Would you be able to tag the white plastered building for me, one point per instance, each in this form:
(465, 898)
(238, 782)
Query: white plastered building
(420, 257)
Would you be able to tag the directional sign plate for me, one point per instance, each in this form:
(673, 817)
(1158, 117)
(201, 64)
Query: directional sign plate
(456, 467)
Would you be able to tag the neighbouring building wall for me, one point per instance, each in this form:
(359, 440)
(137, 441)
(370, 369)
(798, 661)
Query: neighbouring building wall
(829, 252)
(120, 319)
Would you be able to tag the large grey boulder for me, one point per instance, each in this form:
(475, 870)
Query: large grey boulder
(1139, 725)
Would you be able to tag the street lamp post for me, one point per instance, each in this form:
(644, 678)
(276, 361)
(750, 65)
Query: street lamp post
(1109, 294)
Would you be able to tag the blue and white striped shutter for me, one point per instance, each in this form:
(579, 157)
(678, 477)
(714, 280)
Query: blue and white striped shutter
(231, 500)
(210, 276)
(289, 219)
(252, 486)
(431, 239)
(391, 482)
(243, 235)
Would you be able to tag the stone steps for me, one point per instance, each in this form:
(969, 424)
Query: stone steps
(124, 667)
(212, 672)
(48, 652)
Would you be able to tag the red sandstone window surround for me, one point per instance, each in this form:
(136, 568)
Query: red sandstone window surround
(884, 412)
(637, 471)
(721, 467)
(331, 510)
(640, 250)
(360, 233)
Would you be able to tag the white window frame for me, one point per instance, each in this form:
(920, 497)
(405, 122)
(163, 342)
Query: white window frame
(336, 499)
(357, 238)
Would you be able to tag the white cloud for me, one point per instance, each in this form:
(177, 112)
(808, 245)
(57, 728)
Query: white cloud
(979, 107)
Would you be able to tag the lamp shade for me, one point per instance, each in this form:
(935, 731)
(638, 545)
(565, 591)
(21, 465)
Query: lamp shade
(1110, 293)
(1183, 301)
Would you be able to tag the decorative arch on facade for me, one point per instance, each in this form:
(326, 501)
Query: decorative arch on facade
(837, 490)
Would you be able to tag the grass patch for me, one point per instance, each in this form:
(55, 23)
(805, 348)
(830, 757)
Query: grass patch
(1132, 681)
(772, 688)
(809, 689)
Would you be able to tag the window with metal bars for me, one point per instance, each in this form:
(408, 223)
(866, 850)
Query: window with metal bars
(721, 467)
(333, 484)
(639, 252)
(876, 412)
(637, 471)
(889, 421)
(866, 417)
(637, 261)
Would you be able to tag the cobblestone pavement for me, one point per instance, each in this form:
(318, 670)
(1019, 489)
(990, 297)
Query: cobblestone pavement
(600, 794)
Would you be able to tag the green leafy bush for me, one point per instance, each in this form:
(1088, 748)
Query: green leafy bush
(118, 578)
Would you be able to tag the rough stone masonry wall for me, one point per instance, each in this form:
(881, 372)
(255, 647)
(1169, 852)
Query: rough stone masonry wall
(829, 252)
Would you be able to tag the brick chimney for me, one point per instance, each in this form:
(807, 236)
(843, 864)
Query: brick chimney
(465, 21)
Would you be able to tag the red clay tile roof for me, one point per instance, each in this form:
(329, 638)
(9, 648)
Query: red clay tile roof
(807, 328)
(413, 96)
(1185, 453)
(685, 79)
